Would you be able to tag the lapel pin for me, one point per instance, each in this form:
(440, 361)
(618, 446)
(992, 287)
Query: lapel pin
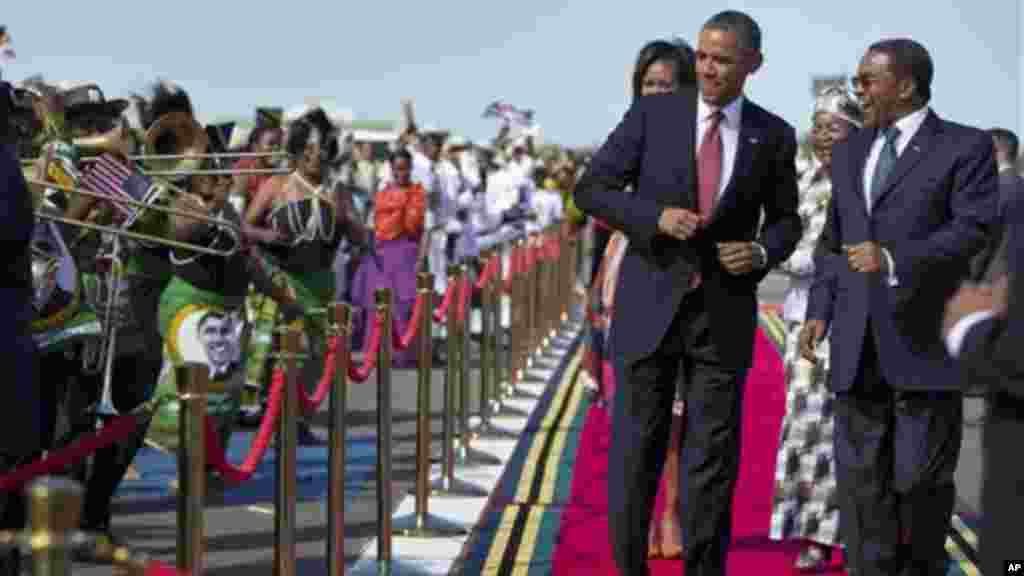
(753, 140)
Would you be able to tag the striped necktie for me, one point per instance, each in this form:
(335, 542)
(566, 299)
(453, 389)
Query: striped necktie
(886, 161)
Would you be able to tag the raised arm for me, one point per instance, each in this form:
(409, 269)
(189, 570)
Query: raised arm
(616, 164)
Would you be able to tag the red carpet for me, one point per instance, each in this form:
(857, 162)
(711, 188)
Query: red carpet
(583, 543)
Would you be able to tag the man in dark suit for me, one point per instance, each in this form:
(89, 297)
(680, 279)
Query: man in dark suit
(20, 409)
(991, 263)
(913, 199)
(686, 300)
(983, 328)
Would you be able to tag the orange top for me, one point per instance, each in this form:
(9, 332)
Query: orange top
(400, 211)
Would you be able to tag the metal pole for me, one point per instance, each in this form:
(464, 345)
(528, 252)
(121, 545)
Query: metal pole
(490, 325)
(55, 507)
(336, 448)
(382, 296)
(425, 283)
(451, 375)
(486, 382)
(516, 324)
(467, 455)
(448, 484)
(465, 434)
(285, 482)
(193, 381)
(421, 523)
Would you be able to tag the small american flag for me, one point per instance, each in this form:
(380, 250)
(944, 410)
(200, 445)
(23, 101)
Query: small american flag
(509, 113)
(111, 176)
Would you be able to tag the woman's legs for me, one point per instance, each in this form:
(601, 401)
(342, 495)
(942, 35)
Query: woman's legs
(665, 538)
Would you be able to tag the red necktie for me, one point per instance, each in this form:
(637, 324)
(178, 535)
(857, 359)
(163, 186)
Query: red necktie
(709, 173)
(709, 165)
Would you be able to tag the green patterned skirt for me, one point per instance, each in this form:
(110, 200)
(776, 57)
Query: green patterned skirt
(313, 290)
(199, 327)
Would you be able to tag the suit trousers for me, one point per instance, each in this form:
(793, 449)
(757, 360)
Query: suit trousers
(709, 456)
(896, 452)
(1001, 503)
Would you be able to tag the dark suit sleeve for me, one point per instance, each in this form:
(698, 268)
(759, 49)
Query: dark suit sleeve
(972, 204)
(617, 163)
(822, 294)
(991, 351)
(782, 226)
(15, 203)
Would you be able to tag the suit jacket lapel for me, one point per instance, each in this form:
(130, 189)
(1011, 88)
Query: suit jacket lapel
(914, 152)
(747, 142)
(860, 148)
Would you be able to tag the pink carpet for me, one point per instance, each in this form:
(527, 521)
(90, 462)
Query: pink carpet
(583, 541)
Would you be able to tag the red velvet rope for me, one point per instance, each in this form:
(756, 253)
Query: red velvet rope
(460, 313)
(442, 310)
(490, 269)
(156, 568)
(403, 341)
(360, 374)
(311, 403)
(116, 430)
(217, 459)
(513, 269)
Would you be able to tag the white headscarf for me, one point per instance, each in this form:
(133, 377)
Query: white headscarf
(836, 99)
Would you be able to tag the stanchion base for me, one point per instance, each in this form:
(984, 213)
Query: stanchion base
(509, 410)
(488, 429)
(426, 526)
(456, 488)
(397, 568)
(523, 394)
(469, 456)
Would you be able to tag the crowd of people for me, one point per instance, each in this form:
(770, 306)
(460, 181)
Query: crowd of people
(226, 243)
(897, 238)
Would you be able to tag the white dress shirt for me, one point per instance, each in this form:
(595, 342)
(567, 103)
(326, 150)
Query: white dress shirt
(956, 336)
(908, 127)
(730, 131)
(449, 189)
(472, 201)
(729, 128)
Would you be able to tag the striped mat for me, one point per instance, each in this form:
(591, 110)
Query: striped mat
(516, 532)
(962, 542)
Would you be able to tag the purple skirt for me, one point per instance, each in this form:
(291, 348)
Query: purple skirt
(395, 268)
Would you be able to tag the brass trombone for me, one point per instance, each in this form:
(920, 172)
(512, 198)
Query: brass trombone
(234, 230)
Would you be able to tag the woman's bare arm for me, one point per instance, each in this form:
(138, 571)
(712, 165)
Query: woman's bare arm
(252, 226)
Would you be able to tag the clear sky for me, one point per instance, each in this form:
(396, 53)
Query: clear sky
(567, 59)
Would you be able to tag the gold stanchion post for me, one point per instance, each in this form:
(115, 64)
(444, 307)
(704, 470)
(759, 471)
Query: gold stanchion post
(490, 329)
(448, 484)
(466, 454)
(382, 297)
(421, 523)
(193, 381)
(55, 506)
(336, 442)
(285, 482)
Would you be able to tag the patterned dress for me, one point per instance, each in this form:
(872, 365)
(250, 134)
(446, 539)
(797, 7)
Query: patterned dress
(805, 503)
(201, 318)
